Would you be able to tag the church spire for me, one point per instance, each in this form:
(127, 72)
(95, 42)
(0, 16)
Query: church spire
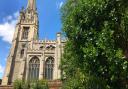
(31, 4)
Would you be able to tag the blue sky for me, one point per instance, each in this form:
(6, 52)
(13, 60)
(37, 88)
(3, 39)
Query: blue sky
(49, 22)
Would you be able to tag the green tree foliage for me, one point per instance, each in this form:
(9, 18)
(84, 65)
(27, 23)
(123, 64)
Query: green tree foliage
(39, 84)
(97, 32)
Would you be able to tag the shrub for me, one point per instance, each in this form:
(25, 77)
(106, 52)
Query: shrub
(38, 84)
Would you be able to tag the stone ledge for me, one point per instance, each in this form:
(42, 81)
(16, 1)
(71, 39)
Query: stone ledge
(6, 87)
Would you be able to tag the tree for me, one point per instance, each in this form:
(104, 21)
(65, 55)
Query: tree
(97, 45)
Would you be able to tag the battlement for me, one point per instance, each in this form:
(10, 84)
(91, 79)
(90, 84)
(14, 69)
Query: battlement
(44, 41)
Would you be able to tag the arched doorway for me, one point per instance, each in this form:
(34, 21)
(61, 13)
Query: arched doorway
(34, 66)
(49, 66)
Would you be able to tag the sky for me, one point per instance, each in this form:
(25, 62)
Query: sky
(49, 23)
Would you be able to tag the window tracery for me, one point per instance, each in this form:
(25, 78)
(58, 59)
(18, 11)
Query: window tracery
(34, 65)
(49, 66)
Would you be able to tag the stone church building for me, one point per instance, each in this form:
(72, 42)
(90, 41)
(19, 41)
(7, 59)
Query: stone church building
(29, 57)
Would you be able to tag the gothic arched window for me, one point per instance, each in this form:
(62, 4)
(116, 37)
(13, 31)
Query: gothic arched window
(49, 65)
(22, 53)
(25, 33)
(34, 66)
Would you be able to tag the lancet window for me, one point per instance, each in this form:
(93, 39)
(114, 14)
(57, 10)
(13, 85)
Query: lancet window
(22, 53)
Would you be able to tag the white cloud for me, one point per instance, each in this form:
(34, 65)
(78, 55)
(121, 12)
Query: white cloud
(9, 17)
(61, 4)
(1, 69)
(5, 59)
(7, 28)
(16, 14)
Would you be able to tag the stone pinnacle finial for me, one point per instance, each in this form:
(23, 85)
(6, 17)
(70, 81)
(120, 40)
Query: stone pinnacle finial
(31, 4)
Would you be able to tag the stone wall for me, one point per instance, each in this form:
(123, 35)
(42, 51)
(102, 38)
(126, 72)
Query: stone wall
(56, 84)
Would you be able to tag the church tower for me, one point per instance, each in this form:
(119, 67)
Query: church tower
(26, 31)
(29, 57)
